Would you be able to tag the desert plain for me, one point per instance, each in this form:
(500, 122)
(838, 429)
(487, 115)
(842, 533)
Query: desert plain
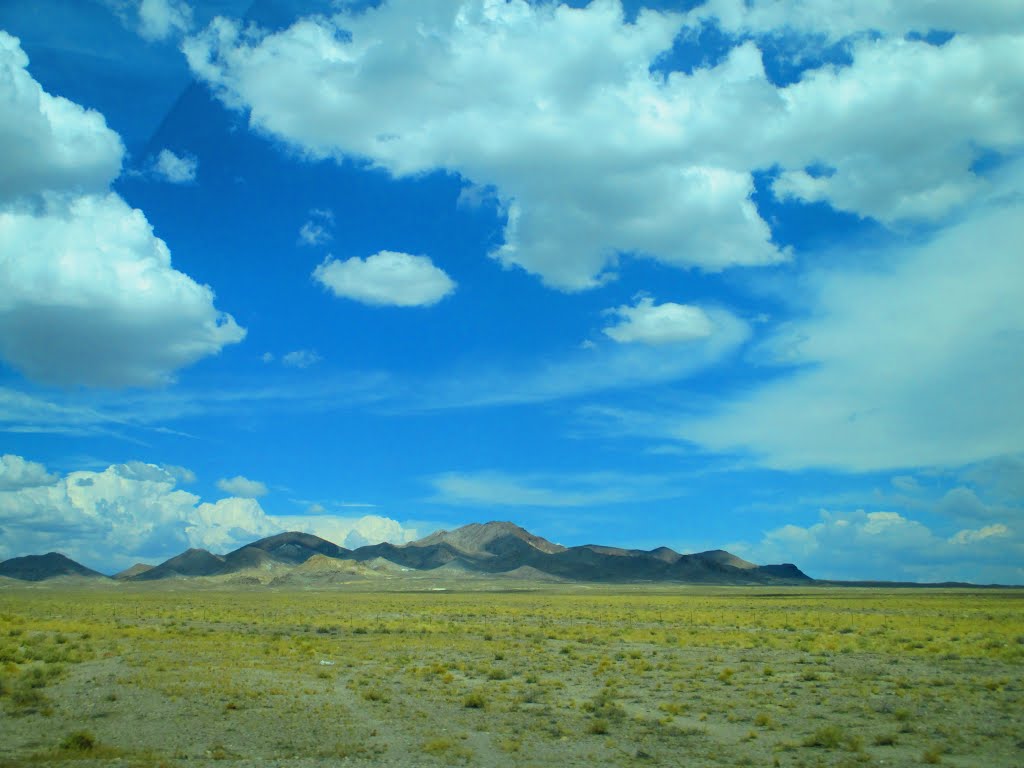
(430, 672)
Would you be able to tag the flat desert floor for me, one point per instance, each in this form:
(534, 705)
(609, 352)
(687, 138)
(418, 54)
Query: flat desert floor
(180, 674)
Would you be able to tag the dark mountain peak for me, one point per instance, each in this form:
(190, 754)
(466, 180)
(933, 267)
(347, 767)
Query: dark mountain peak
(487, 539)
(295, 547)
(664, 554)
(42, 567)
(667, 554)
(603, 549)
(246, 558)
(721, 557)
(783, 571)
(191, 562)
(422, 557)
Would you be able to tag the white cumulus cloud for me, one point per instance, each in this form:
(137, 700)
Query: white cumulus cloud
(555, 108)
(131, 512)
(160, 19)
(242, 486)
(48, 142)
(892, 546)
(91, 298)
(899, 130)
(386, 278)
(17, 473)
(967, 536)
(177, 169)
(650, 323)
(89, 295)
(593, 152)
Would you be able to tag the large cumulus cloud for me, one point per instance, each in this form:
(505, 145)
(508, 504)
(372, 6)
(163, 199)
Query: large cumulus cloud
(135, 511)
(595, 152)
(89, 292)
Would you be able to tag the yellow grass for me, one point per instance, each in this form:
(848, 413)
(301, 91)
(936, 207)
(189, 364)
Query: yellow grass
(730, 675)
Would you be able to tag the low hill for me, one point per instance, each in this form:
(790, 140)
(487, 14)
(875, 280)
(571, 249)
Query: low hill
(320, 570)
(134, 570)
(43, 567)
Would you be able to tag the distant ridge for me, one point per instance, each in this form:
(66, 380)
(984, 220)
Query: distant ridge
(494, 550)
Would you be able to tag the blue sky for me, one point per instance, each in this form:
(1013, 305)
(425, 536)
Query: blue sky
(725, 274)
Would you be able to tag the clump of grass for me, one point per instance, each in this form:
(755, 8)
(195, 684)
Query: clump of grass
(932, 756)
(475, 700)
(438, 745)
(827, 737)
(79, 741)
(449, 748)
(24, 698)
(344, 749)
(833, 737)
(598, 726)
(673, 708)
(763, 720)
(219, 752)
(510, 745)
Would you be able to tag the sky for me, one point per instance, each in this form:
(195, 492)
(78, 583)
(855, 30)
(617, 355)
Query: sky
(723, 274)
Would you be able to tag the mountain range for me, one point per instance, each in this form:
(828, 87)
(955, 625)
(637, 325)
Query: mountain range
(496, 549)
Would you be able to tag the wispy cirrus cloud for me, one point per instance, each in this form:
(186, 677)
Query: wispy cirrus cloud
(493, 488)
(316, 230)
(595, 367)
(911, 363)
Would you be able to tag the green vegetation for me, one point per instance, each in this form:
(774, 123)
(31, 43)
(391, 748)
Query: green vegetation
(727, 676)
